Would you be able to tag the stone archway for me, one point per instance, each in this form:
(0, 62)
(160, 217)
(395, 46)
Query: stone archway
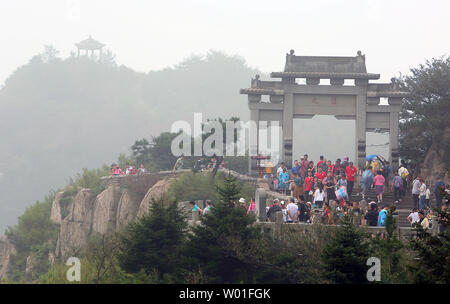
(360, 102)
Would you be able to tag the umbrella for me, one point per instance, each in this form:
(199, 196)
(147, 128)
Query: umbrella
(371, 157)
(382, 160)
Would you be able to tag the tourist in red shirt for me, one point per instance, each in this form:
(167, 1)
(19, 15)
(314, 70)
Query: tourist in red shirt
(337, 169)
(350, 172)
(330, 167)
(320, 174)
(320, 162)
(307, 184)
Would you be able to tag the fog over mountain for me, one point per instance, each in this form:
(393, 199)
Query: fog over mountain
(59, 115)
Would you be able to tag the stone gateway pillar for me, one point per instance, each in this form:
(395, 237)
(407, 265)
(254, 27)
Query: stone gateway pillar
(359, 102)
(260, 204)
(288, 128)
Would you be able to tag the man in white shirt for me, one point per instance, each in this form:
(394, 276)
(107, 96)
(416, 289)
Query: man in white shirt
(415, 192)
(280, 169)
(422, 194)
(413, 217)
(292, 209)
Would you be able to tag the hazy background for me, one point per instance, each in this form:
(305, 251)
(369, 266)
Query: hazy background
(64, 114)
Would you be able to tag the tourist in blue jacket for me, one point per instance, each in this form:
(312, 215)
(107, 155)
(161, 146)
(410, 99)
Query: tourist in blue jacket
(382, 216)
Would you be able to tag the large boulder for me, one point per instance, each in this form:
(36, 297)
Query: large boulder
(76, 227)
(127, 209)
(105, 208)
(158, 191)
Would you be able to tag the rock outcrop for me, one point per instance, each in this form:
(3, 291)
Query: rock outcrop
(154, 193)
(123, 200)
(6, 250)
(76, 227)
(434, 162)
(55, 215)
(127, 209)
(107, 212)
(105, 208)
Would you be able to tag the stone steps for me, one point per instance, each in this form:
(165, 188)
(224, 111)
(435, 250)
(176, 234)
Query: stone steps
(403, 208)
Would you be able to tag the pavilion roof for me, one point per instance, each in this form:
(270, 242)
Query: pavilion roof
(89, 44)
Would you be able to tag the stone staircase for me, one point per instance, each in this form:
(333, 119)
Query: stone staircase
(403, 208)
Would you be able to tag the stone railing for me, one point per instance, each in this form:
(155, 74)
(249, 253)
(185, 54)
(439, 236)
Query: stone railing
(279, 227)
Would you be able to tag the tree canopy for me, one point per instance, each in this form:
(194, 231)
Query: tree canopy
(424, 114)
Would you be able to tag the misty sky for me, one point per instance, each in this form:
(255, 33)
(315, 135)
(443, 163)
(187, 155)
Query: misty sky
(150, 35)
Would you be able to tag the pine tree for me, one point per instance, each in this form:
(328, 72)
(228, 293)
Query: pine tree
(229, 191)
(392, 254)
(216, 245)
(345, 255)
(153, 242)
(433, 252)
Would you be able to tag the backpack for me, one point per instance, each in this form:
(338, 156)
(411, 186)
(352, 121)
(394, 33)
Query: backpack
(405, 174)
(397, 182)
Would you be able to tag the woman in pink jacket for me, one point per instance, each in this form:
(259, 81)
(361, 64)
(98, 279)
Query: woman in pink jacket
(378, 182)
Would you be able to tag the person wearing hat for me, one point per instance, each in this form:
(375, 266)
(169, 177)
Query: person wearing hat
(242, 202)
(284, 210)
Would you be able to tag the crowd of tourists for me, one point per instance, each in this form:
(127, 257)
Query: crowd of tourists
(241, 203)
(361, 213)
(213, 163)
(318, 182)
(325, 190)
(127, 170)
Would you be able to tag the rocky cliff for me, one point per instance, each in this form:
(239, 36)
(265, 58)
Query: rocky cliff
(124, 199)
(81, 213)
(438, 155)
(6, 250)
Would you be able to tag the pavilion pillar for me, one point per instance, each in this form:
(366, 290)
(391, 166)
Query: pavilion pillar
(288, 126)
(360, 130)
(253, 141)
